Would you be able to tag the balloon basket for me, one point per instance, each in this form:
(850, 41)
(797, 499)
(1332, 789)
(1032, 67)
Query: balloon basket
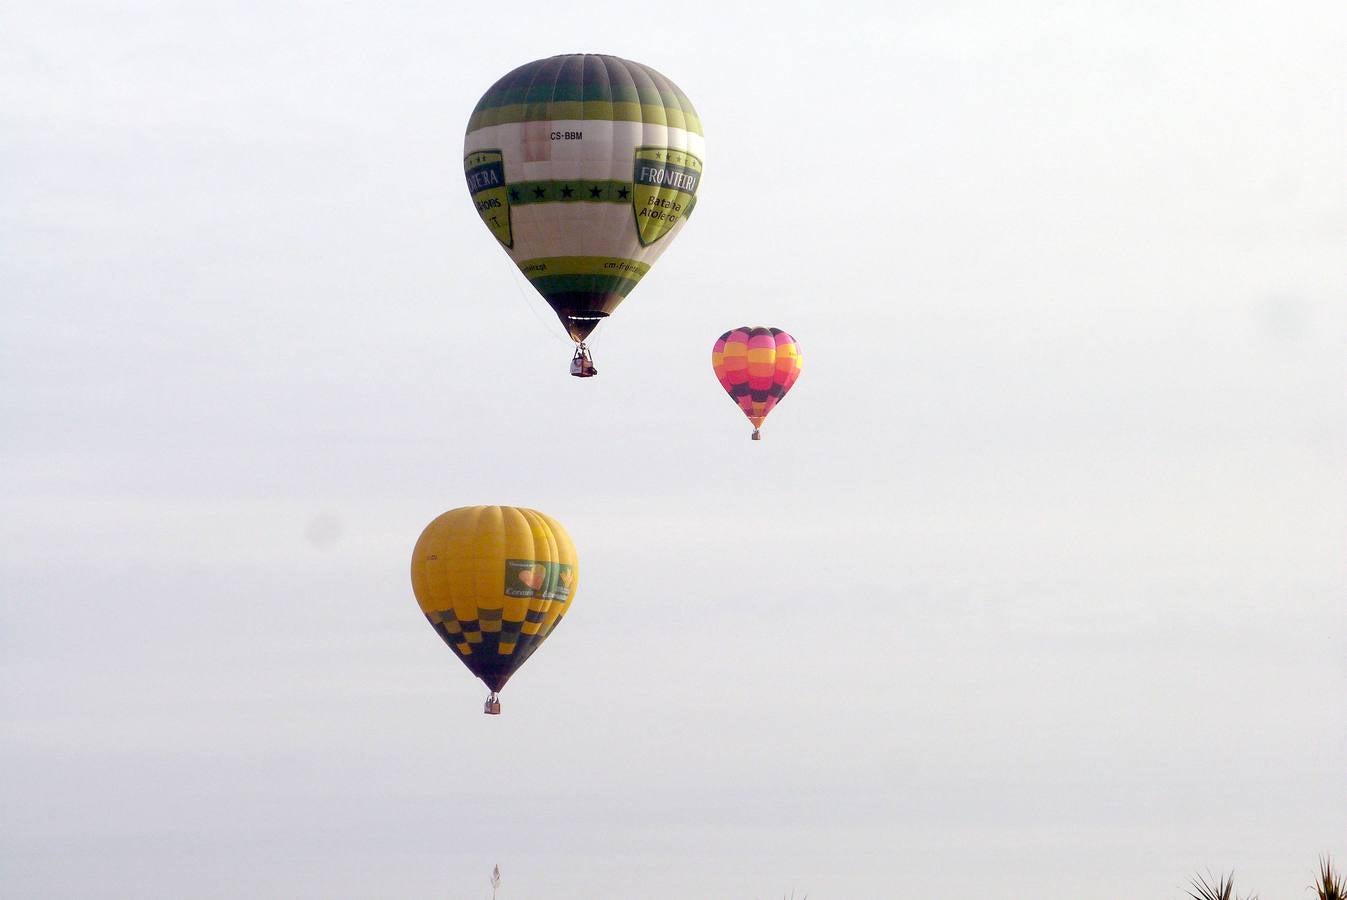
(582, 365)
(492, 705)
(757, 435)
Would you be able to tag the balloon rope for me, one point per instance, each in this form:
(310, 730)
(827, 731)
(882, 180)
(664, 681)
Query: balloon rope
(531, 302)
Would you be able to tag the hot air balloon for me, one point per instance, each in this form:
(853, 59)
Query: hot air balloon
(494, 582)
(584, 167)
(756, 366)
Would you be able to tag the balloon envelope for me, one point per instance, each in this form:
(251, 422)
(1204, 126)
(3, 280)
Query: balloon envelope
(756, 366)
(494, 582)
(584, 167)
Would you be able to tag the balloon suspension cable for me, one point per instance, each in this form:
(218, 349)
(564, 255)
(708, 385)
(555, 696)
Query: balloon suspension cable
(492, 705)
(757, 435)
(582, 364)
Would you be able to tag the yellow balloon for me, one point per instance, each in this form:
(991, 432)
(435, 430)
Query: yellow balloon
(494, 582)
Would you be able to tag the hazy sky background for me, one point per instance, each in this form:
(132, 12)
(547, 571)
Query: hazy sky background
(1034, 588)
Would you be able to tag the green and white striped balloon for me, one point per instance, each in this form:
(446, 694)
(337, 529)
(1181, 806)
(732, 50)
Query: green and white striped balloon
(584, 167)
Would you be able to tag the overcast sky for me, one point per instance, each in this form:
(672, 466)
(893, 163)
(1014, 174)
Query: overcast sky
(1034, 587)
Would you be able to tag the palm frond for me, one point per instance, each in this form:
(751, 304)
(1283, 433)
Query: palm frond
(1221, 887)
(1330, 885)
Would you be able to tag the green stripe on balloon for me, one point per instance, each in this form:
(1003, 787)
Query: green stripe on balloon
(583, 284)
(611, 266)
(523, 193)
(574, 110)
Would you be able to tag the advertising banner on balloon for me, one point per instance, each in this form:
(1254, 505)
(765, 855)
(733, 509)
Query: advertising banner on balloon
(533, 578)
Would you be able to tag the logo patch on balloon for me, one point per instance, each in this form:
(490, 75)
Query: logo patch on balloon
(530, 578)
(665, 190)
(485, 172)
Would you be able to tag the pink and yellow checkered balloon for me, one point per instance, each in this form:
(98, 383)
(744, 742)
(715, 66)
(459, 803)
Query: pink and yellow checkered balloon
(756, 366)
